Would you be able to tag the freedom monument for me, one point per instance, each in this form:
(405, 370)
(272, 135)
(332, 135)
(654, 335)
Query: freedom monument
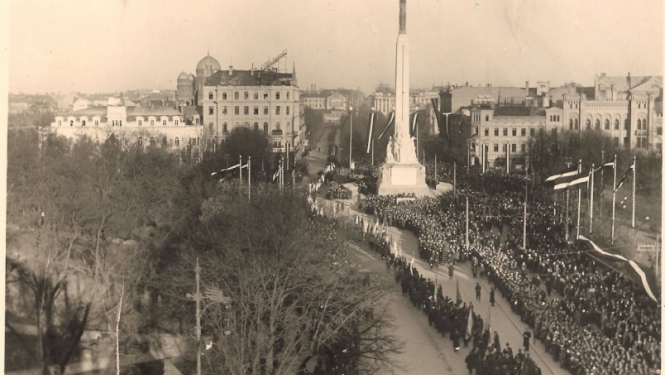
(402, 173)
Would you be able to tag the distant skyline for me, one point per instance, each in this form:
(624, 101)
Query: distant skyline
(119, 45)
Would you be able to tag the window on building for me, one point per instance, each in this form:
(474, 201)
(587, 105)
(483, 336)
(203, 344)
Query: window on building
(503, 148)
(163, 123)
(265, 110)
(588, 124)
(287, 95)
(576, 124)
(659, 130)
(177, 142)
(256, 126)
(513, 147)
(570, 124)
(505, 132)
(265, 95)
(225, 128)
(288, 110)
(532, 132)
(59, 122)
(246, 110)
(607, 124)
(523, 148)
(523, 132)
(475, 131)
(265, 127)
(256, 110)
(256, 95)
(152, 122)
(487, 117)
(597, 124)
(644, 124)
(496, 132)
(82, 122)
(236, 96)
(224, 110)
(71, 123)
(277, 126)
(96, 123)
(616, 124)
(210, 95)
(140, 122)
(236, 110)
(120, 122)
(176, 122)
(496, 147)
(487, 132)
(277, 95)
(639, 124)
(514, 132)
(211, 110)
(246, 95)
(277, 110)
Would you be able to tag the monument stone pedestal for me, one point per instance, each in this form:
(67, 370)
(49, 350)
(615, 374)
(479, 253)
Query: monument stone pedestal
(400, 178)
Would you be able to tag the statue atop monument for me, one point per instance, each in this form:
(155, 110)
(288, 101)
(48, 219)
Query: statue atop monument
(402, 16)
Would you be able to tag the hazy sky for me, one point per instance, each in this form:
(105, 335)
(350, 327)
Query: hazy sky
(114, 45)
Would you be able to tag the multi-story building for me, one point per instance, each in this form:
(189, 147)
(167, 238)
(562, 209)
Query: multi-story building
(262, 100)
(383, 100)
(313, 100)
(163, 126)
(454, 98)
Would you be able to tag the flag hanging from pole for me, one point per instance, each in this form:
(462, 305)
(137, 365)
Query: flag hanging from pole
(469, 323)
(567, 172)
(390, 122)
(415, 122)
(372, 116)
(623, 179)
(562, 182)
(224, 170)
(274, 176)
(458, 297)
(579, 182)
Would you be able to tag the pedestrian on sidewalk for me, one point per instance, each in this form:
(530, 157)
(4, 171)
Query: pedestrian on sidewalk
(451, 270)
(492, 296)
(477, 291)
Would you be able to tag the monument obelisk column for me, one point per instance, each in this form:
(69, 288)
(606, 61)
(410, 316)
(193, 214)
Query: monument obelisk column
(402, 77)
(402, 173)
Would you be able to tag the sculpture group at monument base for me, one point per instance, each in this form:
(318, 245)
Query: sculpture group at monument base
(401, 178)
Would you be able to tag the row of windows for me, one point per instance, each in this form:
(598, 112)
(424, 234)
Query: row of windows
(641, 124)
(225, 126)
(513, 147)
(236, 95)
(236, 110)
(532, 132)
(476, 117)
(119, 122)
(176, 141)
(83, 122)
(555, 118)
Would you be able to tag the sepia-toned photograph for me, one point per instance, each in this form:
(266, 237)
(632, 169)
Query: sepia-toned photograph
(368, 187)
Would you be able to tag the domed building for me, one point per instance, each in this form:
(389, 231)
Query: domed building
(185, 89)
(204, 69)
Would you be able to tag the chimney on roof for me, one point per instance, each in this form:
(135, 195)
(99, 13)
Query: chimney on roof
(252, 69)
(527, 87)
(230, 70)
(629, 85)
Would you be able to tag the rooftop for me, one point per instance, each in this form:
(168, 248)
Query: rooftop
(248, 78)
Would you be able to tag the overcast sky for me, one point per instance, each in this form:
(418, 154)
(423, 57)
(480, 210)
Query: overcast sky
(115, 45)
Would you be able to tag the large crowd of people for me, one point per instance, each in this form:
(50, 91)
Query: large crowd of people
(598, 321)
(458, 321)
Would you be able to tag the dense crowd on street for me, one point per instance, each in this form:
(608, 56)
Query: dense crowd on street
(599, 321)
(452, 318)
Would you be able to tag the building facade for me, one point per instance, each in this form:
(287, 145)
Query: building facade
(264, 100)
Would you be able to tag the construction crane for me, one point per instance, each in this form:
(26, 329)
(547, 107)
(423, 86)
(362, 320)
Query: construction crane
(272, 62)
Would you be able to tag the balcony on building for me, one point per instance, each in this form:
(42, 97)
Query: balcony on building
(277, 132)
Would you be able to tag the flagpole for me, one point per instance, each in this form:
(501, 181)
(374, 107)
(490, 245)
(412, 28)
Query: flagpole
(634, 185)
(591, 199)
(249, 177)
(507, 158)
(468, 156)
(602, 182)
(526, 196)
(372, 152)
(351, 137)
(567, 213)
(467, 224)
(454, 178)
(614, 195)
(579, 201)
(435, 173)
